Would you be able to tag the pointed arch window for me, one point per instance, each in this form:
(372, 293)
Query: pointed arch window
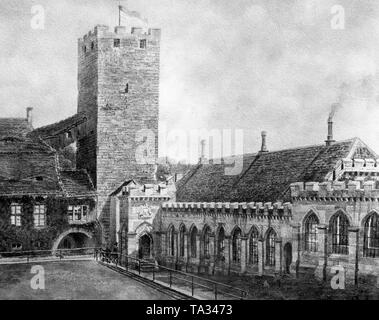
(171, 241)
(270, 248)
(193, 242)
(310, 232)
(339, 225)
(206, 242)
(253, 246)
(236, 245)
(182, 232)
(221, 244)
(371, 236)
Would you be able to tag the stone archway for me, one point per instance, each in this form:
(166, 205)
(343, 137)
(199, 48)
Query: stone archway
(73, 238)
(145, 246)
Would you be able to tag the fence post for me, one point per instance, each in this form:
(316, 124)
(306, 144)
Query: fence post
(192, 287)
(60, 254)
(139, 266)
(170, 278)
(153, 272)
(215, 291)
(126, 263)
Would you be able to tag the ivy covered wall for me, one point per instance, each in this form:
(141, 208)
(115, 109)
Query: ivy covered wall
(35, 238)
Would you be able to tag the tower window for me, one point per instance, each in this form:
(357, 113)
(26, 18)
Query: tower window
(92, 45)
(116, 43)
(127, 88)
(142, 44)
(84, 49)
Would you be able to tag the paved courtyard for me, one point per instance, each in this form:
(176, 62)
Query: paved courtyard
(72, 280)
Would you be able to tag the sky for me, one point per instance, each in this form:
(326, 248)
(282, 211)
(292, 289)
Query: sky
(272, 65)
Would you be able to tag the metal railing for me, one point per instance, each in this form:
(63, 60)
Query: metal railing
(58, 253)
(168, 276)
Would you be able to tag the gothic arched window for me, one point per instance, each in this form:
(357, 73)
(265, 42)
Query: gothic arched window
(339, 225)
(236, 245)
(270, 248)
(206, 241)
(193, 242)
(182, 232)
(310, 232)
(221, 243)
(371, 236)
(253, 246)
(171, 241)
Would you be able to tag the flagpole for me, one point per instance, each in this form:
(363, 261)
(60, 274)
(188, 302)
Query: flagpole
(119, 16)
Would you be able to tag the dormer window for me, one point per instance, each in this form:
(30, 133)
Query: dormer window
(116, 43)
(142, 44)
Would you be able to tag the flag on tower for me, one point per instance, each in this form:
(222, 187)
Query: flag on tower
(131, 18)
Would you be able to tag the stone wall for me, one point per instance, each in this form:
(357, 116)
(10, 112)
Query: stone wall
(229, 216)
(119, 86)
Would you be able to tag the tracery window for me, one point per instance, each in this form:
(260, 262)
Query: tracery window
(339, 225)
(310, 233)
(371, 236)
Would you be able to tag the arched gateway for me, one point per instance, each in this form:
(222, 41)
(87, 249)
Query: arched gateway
(74, 238)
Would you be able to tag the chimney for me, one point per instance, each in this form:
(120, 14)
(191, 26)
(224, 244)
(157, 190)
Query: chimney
(203, 159)
(263, 147)
(29, 115)
(329, 140)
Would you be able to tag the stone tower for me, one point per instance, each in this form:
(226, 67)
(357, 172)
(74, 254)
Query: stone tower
(118, 83)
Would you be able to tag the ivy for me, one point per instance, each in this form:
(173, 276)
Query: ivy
(27, 234)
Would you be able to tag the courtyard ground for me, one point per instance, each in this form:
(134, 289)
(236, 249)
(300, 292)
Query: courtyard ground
(72, 280)
(306, 287)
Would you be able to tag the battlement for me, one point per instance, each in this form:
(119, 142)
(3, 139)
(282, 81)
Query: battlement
(261, 210)
(146, 190)
(353, 190)
(103, 31)
(360, 165)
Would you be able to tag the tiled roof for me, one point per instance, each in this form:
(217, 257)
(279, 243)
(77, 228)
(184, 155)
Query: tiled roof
(31, 167)
(265, 176)
(59, 127)
(14, 127)
(77, 182)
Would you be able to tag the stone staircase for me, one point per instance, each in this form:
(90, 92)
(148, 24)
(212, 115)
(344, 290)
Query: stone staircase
(147, 265)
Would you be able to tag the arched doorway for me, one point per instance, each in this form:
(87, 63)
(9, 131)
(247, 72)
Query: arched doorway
(74, 238)
(287, 256)
(145, 246)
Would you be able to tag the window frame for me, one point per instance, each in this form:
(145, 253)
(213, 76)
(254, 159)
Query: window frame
(339, 238)
(16, 214)
(39, 214)
(236, 245)
(253, 246)
(311, 233)
(73, 213)
(369, 250)
(207, 242)
(182, 235)
(270, 248)
(142, 44)
(193, 242)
